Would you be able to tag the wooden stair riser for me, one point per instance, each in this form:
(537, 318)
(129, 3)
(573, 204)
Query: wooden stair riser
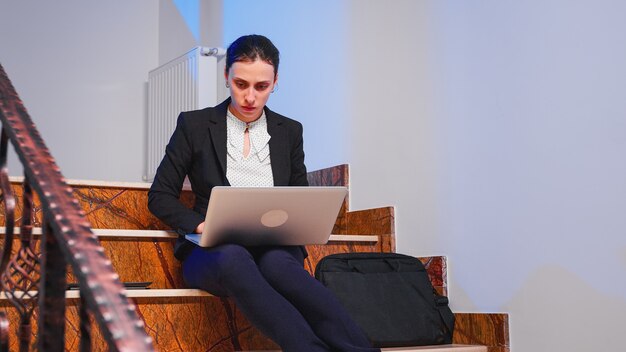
(152, 260)
(215, 324)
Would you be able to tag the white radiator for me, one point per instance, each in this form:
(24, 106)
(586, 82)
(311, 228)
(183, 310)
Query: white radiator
(190, 82)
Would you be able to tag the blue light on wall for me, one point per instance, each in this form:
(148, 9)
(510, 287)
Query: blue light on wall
(190, 11)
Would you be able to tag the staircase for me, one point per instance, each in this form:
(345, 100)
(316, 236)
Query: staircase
(140, 249)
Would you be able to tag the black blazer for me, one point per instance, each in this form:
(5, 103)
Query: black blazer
(197, 149)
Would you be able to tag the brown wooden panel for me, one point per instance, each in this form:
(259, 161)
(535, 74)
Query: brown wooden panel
(215, 324)
(118, 208)
(106, 207)
(151, 259)
(199, 324)
(332, 176)
(144, 259)
(378, 221)
(491, 330)
(175, 324)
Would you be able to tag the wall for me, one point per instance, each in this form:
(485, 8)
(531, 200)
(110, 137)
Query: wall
(495, 127)
(185, 24)
(530, 128)
(80, 69)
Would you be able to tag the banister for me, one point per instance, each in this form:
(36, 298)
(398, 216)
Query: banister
(67, 238)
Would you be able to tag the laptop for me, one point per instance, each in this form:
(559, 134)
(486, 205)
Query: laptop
(270, 215)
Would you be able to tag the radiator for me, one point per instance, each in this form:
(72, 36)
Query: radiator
(190, 82)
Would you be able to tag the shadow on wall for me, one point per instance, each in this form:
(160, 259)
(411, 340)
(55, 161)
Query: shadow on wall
(551, 317)
(459, 298)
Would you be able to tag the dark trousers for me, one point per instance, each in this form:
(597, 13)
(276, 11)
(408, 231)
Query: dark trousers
(279, 297)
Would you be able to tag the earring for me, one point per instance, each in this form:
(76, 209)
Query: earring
(227, 85)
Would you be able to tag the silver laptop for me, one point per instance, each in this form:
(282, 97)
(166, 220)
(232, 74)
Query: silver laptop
(270, 215)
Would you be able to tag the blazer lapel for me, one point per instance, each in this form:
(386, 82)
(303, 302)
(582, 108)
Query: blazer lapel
(217, 128)
(279, 149)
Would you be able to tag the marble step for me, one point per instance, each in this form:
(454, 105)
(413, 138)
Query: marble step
(101, 233)
(145, 293)
(438, 348)
(147, 255)
(183, 309)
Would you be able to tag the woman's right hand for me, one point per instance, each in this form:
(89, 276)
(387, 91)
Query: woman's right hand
(200, 227)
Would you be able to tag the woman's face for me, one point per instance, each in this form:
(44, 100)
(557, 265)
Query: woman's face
(251, 83)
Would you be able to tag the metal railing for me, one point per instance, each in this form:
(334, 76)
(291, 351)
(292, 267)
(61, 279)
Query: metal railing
(35, 281)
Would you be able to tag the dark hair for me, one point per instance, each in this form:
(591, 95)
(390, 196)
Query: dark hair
(250, 48)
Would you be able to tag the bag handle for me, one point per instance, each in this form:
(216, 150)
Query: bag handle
(395, 265)
(354, 267)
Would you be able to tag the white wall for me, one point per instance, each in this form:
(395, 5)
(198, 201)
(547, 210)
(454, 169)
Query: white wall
(530, 126)
(495, 127)
(80, 69)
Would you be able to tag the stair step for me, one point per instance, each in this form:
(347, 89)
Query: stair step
(438, 348)
(148, 256)
(172, 234)
(147, 293)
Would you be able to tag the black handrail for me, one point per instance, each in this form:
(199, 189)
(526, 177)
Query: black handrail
(67, 239)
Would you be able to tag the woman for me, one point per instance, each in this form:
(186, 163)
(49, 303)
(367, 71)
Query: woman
(241, 142)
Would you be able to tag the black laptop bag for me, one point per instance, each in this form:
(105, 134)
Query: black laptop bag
(390, 297)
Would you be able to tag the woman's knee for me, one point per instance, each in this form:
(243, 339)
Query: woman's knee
(277, 262)
(217, 262)
(231, 260)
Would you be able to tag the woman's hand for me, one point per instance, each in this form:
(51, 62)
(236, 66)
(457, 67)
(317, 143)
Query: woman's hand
(200, 227)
